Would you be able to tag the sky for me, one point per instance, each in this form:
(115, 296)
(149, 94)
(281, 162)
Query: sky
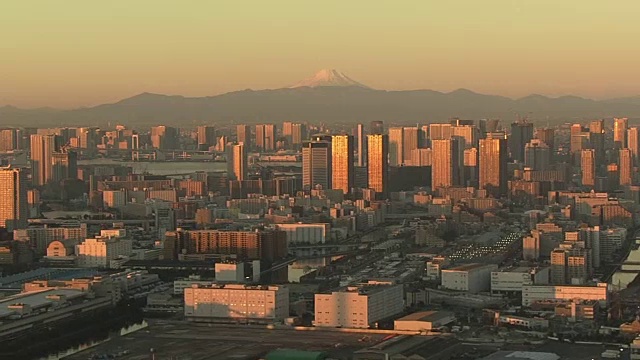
(76, 53)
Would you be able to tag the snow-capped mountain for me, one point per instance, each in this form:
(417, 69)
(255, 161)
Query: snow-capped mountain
(328, 77)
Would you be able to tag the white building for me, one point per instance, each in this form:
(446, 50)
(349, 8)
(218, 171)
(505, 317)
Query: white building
(100, 251)
(511, 280)
(236, 302)
(533, 293)
(358, 306)
(305, 233)
(473, 278)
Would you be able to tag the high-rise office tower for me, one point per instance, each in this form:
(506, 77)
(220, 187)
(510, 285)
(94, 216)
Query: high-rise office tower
(236, 162)
(14, 209)
(439, 131)
(376, 128)
(536, 155)
(164, 137)
(266, 137)
(243, 135)
(410, 142)
(445, 169)
(596, 139)
(547, 135)
(42, 149)
(470, 163)
(492, 162)
(286, 130)
(620, 132)
(588, 164)
(521, 134)
(633, 143)
(298, 134)
(625, 168)
(8, 139)
(64, 165)
(378, 169)
(362, 145)
(342, 167)
(468, 132)
(396, 141)
(316, 163)
(206, 137)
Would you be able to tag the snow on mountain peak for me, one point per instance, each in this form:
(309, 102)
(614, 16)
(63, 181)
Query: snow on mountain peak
(328, 77)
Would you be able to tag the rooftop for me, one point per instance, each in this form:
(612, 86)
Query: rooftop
(36, 299)
(522, 355)
(426, 316)
(467, 267)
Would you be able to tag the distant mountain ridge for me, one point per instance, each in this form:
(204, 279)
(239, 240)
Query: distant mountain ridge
(327, 97)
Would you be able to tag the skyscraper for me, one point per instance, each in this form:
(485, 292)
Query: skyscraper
(64, 165)
(362, 146)
(164, 137)
(396, 141)
(378, 152)
(620, 132)
(445, 163)
(547, 135)
(588, 164)
(206, 137)
(633, 143)
(536, 155)
(298, 134)
(521, 134)
(266, 137)
(13, 199)
(42, 149)
(468, 132)
(342, 169)
(8, 139)
(236, 162)
(596, 139)
(243, 135)
(492, 161)
(626, 167)
(376, 128)
(439, 131)
(316, 163)
(410, 142)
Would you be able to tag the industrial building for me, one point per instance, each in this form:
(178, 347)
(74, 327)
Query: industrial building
(236, 303)
(534, 293)
(473, 278)
(424, 321)
(509, 281)
(358, 306)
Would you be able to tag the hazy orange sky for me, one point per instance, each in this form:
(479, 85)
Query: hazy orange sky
(80, 53)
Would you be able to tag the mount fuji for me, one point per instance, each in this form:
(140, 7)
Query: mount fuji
(328, 77)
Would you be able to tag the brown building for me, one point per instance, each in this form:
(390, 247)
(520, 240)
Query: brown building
(265, 245)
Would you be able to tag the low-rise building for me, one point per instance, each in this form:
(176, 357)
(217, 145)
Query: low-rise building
(473, 278)
(358, 306)
(509, 281)
(424, 321)
(534, 293)
(236, 302)
(100, 251)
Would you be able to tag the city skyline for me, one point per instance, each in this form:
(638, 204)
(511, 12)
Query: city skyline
(542, 47)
